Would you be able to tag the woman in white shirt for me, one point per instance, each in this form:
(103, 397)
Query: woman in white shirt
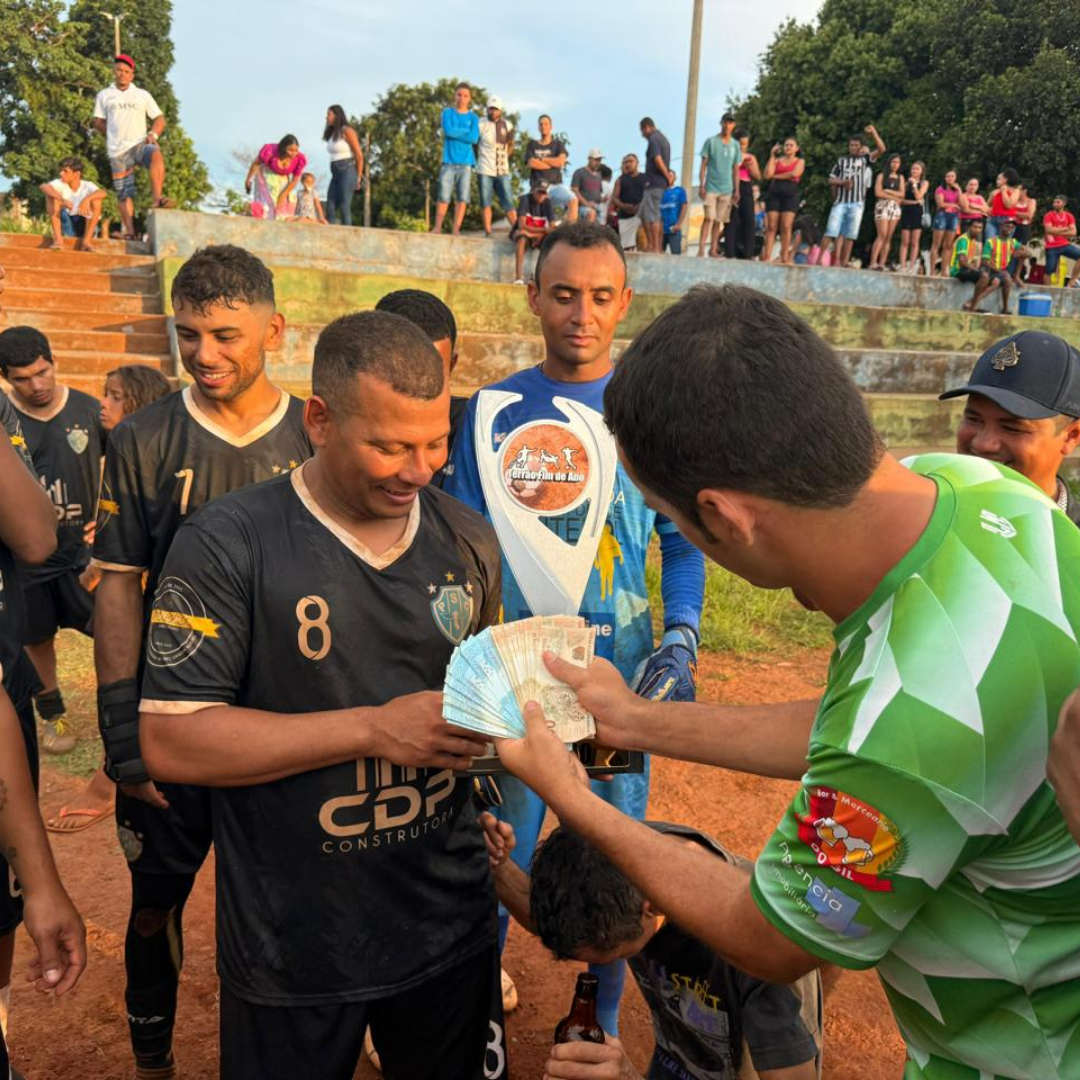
(346, 165)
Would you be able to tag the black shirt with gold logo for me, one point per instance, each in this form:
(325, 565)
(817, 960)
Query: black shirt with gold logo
(66, 447)
(165, 461)
(361, 879)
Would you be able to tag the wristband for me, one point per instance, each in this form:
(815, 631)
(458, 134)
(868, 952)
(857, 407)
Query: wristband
(118, 722)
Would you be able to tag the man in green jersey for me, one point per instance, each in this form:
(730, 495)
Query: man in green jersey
(924, 840)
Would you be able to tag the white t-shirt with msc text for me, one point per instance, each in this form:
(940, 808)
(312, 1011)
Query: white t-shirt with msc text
(127, 115)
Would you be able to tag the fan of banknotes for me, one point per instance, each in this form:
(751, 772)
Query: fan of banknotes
(493, 674)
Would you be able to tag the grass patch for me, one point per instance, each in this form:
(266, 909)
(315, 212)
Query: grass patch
(739, 618)
(75, 663)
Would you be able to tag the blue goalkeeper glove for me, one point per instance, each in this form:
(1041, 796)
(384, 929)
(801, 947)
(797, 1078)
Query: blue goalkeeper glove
(670, 674)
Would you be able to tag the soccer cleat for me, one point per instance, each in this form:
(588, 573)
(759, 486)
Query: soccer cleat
(509, 991)
(53, 739)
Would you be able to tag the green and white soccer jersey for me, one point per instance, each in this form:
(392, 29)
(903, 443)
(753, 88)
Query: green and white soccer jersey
(925, 839)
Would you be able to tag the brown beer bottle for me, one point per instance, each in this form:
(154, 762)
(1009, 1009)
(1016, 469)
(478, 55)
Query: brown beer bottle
(580, 1024)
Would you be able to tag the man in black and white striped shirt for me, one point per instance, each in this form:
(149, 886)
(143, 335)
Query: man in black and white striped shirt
(850, 180)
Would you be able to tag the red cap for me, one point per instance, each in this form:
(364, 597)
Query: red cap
(123, 58)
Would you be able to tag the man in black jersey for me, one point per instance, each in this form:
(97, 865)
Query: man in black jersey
(27, 534)
(427, 311)
(63, 433)
(230, 428)
(299, 632)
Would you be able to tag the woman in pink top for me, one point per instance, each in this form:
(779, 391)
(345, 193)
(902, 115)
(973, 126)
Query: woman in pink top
(273, 176)
(783, 170)
(946, 223)
(972, 204)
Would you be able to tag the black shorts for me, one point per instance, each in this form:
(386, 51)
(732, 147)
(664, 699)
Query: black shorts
(448, 1028)
(60, 603)
(966, 274)
(173, 841)
(21, 682)
(782, 197)
(911, 217)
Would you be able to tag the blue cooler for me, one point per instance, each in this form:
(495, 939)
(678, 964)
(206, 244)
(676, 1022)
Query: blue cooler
(1035, 304)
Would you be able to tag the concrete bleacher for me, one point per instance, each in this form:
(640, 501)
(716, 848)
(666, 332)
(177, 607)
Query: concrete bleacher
(903, 338)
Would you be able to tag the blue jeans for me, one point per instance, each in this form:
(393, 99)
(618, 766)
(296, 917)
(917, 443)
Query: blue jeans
(72, 224)
(454, 180)
(1054, 254)
(673, 242)
(343, 177)
(496, 187)
(844, 220)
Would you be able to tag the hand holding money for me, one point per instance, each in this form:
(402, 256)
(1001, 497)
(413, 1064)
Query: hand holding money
(492, 675)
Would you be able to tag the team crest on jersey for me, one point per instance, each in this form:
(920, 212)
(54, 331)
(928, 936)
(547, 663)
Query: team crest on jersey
(545, 467)
(78, 439)
(452, 607)
(851, 838)
(178, 624)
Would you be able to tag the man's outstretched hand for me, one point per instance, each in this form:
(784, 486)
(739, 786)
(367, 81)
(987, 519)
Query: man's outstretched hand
(603, 692)
(541, 758)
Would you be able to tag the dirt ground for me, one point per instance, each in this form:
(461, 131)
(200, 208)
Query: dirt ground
(85, 1034)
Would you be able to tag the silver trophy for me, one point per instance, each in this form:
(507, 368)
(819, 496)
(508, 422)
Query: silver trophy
(546, 468)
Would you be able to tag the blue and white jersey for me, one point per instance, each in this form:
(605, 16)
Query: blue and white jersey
(616, 598)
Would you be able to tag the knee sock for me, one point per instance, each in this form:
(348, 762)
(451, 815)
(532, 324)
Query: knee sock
(153, 956)
(609, 993)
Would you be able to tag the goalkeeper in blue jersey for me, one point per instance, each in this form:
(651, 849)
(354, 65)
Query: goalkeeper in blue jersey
(580, 294)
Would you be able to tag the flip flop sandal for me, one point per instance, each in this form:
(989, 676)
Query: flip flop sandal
(92, 816)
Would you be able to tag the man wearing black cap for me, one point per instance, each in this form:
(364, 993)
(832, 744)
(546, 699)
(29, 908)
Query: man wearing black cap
(121, 114)
(1022, 409)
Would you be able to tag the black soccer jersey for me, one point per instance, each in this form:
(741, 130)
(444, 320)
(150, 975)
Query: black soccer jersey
(66, 448)
(168, 459)
(362, 879)
(12, 606)
(703, 1008)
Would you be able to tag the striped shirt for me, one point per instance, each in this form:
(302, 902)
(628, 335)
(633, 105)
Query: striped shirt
(856, 169)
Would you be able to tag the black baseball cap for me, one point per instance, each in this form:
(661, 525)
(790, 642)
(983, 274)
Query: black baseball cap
(728, 118)
(1032, 375)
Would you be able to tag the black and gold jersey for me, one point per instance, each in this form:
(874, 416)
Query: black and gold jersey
(362, 879)
(167, 460)
(66, 445)
(12, 605)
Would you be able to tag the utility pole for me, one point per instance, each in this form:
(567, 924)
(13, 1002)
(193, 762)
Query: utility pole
(115, 20)
(687, 177)
(367, 179)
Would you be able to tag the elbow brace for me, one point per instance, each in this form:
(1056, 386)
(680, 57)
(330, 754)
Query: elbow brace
(118, 722)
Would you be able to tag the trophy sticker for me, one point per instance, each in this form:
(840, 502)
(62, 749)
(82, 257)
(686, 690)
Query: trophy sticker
(545, 468)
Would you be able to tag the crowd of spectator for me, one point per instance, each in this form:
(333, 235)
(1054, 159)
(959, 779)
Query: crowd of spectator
(749, 210)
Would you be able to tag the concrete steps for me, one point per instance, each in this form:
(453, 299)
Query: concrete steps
(36, 241)
(93, 303)
(100, 310)
(122, 279)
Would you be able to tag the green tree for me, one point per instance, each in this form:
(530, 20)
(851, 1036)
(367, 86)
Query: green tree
(47, 89)
(406, 151)
(975, 85)
(146, 35)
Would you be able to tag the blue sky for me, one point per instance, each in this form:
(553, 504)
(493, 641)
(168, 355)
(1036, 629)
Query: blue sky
(247, 73)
